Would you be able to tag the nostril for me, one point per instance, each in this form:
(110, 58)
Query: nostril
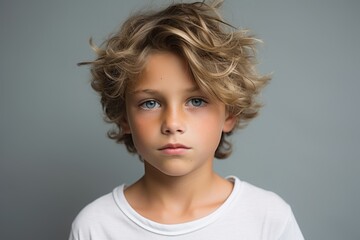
(172, 122)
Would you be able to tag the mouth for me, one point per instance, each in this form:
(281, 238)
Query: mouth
(174, 149)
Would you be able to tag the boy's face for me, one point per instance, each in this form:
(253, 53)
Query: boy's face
(175, 127)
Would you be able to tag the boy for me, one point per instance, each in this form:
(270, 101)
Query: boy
(176, 83)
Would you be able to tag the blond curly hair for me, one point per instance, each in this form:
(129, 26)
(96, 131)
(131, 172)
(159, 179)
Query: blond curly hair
(221, 59)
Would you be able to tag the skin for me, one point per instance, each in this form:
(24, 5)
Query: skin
(176, 130)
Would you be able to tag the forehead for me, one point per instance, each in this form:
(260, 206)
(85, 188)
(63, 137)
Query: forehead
(162, 69)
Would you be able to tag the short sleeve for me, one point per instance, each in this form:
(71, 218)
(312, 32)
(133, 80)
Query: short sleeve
(74, 233)
(72, 237)
(291, 230)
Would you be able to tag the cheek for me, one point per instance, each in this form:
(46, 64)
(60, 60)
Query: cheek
(211, 119)
(140, 127)
(209, 129)
(142, 130)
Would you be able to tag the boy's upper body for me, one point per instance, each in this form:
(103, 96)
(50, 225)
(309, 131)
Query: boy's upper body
(176, 85)
(248, 213)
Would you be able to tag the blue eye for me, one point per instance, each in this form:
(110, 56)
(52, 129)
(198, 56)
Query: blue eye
(150, 104)
(197, 102)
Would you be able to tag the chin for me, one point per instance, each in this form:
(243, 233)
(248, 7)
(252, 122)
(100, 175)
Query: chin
(173, 172)
(173, 169)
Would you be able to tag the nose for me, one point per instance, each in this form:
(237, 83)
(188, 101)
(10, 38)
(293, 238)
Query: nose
(173, 121)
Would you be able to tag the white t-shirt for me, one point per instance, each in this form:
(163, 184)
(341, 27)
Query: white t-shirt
(248, 213)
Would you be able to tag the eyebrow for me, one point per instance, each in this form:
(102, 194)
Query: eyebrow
(154, 91)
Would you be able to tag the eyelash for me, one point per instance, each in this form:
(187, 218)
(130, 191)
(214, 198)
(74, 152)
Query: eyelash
(203, 102)
(144, 104)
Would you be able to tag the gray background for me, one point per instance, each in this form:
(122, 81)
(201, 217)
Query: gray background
(55, 157)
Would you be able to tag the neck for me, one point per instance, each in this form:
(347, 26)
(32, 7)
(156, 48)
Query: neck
(175, 199)
(183, 192)
(179, 188)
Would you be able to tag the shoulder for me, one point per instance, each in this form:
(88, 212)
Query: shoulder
(94, 215)
(91, 213)
(260, 205)
(249, 193)
(261, 199)
(265, 211)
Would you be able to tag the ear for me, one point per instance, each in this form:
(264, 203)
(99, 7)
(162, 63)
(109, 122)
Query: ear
(230, 123)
